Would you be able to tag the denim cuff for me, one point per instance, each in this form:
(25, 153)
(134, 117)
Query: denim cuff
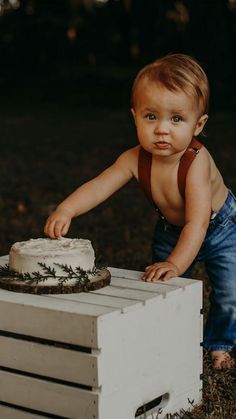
(227, 348)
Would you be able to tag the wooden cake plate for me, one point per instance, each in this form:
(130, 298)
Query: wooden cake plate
(101, 279)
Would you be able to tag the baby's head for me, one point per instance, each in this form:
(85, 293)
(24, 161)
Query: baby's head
(176, 72)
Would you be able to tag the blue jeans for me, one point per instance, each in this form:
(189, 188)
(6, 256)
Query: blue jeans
(218, 251)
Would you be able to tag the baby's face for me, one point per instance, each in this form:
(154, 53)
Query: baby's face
(166, 121)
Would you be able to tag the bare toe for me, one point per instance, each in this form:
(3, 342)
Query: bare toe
(222, 359)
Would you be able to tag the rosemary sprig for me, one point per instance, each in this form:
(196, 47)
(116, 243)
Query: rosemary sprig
(6, 272)
(81, 276)
(48, 270)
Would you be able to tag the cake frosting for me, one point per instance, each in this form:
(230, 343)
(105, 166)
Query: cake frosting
(25, 256)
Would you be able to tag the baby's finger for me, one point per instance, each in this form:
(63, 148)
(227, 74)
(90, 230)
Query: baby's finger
(65, 229)
(48, 223)
(51, 230)
(168, 275)
(148, 267)
(59, 225)
(47, 228)
(158, 274)
(150, 274)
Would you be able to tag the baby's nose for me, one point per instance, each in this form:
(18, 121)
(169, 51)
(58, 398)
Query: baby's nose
(162, 128)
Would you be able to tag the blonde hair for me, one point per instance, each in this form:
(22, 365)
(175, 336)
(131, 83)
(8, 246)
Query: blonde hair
(177, 72)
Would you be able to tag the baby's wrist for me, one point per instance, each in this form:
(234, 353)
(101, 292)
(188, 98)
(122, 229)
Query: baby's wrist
(175, 266)
(68, 212)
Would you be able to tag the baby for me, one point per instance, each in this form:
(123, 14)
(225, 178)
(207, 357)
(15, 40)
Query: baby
(197, 213)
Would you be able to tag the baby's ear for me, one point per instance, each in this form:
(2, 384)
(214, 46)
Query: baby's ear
(134, 114)
(200, 124)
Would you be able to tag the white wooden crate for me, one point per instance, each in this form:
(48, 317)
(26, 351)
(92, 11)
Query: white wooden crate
(103, 354)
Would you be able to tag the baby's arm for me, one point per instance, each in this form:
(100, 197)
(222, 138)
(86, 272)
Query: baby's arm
(197, 215)
(92, 193)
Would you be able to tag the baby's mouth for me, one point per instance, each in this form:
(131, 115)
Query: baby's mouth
(162, 144)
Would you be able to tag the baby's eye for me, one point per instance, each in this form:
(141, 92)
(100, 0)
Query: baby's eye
(150, 116)
(176, 118)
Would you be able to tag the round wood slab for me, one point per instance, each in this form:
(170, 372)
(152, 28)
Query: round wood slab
(101, 279)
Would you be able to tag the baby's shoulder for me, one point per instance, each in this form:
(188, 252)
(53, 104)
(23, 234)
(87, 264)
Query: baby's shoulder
(129, 159)
(130, 155)
(202, 166)
(202, 158)
(132, 152)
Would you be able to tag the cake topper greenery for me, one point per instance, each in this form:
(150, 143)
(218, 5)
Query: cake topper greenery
(80, 276)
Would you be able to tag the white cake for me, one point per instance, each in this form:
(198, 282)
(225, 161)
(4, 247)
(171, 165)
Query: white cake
(25, 256)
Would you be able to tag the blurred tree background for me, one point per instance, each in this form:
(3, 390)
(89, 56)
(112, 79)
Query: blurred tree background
(43, 37)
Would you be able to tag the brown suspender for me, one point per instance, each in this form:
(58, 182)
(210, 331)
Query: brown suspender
(145, 164)
(185, 162)
(144, 172)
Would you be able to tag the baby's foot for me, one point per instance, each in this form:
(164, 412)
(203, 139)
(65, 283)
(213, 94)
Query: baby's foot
(222, 359)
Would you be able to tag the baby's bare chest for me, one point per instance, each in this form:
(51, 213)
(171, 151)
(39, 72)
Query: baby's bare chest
(164, 186)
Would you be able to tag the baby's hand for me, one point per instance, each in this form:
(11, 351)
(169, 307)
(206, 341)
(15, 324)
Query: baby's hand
(57, 224)
(161, 271)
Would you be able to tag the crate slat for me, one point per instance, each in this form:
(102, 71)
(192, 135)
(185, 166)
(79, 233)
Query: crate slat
(160, 287)
(146, 297)
(124, 304)
(49, 361)
(7, 412)
(128, 293)
(60, 320)
(48, 397)
(125, 273)
(39, 301)
(137, 276)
